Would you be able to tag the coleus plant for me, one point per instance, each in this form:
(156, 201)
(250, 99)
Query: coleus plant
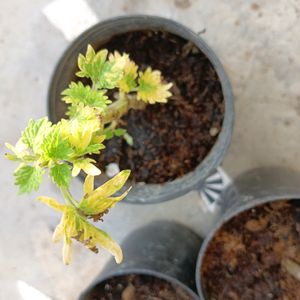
(63, 149)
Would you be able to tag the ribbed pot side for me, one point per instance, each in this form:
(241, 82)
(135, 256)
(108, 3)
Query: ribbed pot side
(164, 249)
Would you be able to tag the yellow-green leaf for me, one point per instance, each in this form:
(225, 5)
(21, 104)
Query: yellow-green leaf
(128, 82)
(151, 89)
(76, 227)
(58, 232)
(67, 251)
(28, 178)
(90, 53)
(78, 93)
(111, 73)
(92, 63)
(20, 150)
(88, 186)
(61, 174)
(93, 206)
(97, 236)
(85, 165)
(111, 186)
(52, 203)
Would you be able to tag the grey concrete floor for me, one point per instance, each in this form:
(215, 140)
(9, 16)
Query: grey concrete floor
(258, 43)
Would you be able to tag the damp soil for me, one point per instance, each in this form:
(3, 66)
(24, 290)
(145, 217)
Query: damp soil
(170, 140)
(256, 255)
(137, 287)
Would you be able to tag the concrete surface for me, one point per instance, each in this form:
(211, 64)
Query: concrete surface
(259, 45)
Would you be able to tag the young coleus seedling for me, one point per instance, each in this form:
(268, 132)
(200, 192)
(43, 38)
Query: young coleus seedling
(64, 149)
(133, 89)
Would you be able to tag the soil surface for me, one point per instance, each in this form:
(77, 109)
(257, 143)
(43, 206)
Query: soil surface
(256, 255)
(137, 287)
(171, 139)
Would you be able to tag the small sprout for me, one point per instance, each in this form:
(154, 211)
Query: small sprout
(63, 150)
(128, 138)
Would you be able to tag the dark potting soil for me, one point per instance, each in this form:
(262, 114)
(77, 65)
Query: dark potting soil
(171, 139)
(138, 287)
(256, 255)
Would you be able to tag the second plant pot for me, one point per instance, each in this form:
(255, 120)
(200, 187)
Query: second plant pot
(176, 145)
(254, 250)
(159, 262)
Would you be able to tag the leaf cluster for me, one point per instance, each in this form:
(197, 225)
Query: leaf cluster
(63, 150)
(114, 71)
(60, 149)
(94, 203)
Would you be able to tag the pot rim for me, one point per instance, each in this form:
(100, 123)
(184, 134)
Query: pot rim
(226, 217)
(190, 181)
(140, 271)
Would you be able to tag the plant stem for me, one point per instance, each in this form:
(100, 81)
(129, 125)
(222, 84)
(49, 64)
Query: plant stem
(121, 106)
(68, 196)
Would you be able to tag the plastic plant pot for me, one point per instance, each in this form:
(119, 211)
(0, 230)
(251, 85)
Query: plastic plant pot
(163, 249)
(249, 190)
(104, 31)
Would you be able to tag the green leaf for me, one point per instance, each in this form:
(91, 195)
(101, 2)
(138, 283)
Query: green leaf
(34, 133)
(119, 132)
(128, 138)
(91, 149)
(82, 128)
(109, 134)
(28, 178)
(61, 175)
(78, 93)
(54, 146)
(83, 132)
(12, 157)
(128, 83)
(110, 75)
(91, 64)
(82, 114)
(151, 89)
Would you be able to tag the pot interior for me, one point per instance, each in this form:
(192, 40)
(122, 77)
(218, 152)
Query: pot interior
(169, 139)
(255, 254)
(137, 286)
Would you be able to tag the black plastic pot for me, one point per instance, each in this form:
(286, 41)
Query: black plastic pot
(253, 188)
(163, 249)
(102, 32)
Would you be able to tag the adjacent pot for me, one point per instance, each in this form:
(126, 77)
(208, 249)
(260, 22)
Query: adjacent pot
(102, 32)
(163, 249)
(251, 189)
